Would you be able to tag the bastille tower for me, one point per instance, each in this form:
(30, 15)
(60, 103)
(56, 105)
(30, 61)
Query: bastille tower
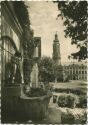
(56, 51)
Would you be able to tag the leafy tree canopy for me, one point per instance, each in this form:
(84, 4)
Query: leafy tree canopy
(46, 69)
(74, 15)
(22, 13)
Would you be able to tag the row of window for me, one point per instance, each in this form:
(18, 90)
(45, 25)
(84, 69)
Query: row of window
(6, 48)
(79, 78)
(77, 72)
(79, 67)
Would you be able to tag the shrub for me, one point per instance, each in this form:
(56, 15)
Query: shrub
(67, 90)
(54, 99)
(82, 101)
(62, 100)
(68, 100)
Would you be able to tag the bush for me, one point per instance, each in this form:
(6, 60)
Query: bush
(68, 100)
(67, 90)
(62, 100)
(82, 101)
(54, 99)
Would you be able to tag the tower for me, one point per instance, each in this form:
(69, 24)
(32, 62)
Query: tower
(56, 51)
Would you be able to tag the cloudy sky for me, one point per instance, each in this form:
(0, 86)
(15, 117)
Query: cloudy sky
(43, 21)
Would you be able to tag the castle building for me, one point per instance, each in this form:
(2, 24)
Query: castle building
(56, 51)
(76, 71)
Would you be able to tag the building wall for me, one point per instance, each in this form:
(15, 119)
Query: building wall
(76, 72)
(9, 27)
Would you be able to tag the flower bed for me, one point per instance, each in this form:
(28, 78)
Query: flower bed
(74, 116)
(70, 100)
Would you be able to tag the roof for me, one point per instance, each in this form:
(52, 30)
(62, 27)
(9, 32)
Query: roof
(75, 63)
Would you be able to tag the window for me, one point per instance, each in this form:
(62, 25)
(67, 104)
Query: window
(7, 51)
(79, 72)
(82, 67)
(73, 72)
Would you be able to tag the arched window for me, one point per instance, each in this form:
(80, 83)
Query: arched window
(8, 50)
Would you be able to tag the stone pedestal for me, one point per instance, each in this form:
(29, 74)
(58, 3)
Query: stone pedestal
(34, 76)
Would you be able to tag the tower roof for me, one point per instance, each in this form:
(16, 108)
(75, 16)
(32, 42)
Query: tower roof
(56, 38)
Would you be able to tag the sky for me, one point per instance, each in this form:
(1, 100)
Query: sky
(43, 17)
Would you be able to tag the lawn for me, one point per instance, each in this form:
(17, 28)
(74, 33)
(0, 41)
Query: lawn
(76, 113)
(71, 85)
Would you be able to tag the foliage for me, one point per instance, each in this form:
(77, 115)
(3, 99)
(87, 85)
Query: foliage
(71, 100)
(67, 118)
(18, 78)
(82, 101)
(36, 92)
(74, 15)
(27, 38)
(69, 90)
(22, 13)
(12, 71)
(62, 101)
(28, 42)
(24, 19)
(58, 72)
(46, 69)
(74, 116)
(67, 100)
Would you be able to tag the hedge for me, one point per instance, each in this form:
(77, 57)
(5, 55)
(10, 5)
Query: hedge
(68, 100)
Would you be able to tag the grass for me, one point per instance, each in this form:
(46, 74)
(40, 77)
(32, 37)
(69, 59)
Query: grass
(73, 86)
(78, 88)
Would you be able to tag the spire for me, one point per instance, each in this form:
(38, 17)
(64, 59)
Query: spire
(56, 50)
(56, 37)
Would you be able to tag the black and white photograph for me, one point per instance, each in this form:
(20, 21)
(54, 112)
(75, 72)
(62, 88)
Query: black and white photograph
(43, 62)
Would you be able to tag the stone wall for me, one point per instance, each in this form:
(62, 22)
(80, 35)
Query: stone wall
(25, 108)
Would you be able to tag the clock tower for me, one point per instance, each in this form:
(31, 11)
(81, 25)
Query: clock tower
(56, 51)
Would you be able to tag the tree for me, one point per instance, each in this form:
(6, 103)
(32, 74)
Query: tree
(74, 15)
(58, 72)
(46, 69)
(22, 13)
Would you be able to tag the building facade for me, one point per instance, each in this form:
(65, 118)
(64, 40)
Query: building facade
(11, 51)
(11, 36)
(76, 71)
(56, 51)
